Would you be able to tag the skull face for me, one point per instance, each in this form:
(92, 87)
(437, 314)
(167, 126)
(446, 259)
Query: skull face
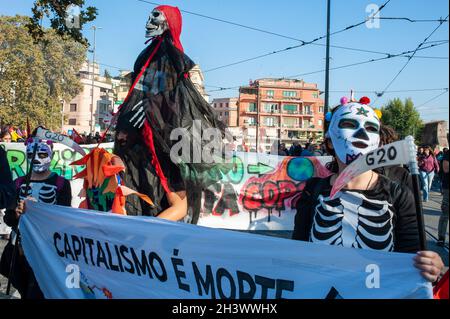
(156, 24)
(354, 131)
(43, 156)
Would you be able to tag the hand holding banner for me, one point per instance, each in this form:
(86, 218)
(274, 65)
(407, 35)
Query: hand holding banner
(397, 153)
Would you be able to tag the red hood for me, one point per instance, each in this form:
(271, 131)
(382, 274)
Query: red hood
(174, 20)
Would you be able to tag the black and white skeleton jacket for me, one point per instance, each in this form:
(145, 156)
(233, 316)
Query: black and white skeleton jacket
(54, 190)
(383, 218)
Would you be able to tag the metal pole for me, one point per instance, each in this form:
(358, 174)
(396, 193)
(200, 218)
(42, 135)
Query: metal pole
(257, 117)
(92, 84)
(327, 65)
(414, 169)
(62, 115)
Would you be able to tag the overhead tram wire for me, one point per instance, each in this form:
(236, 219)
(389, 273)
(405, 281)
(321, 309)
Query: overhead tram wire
(411, 20)
(390, 56)
(303, 42)
(432, 99)
(407, 62)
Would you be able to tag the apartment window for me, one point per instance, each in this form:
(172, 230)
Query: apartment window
(290, 122)
(270, 107)
(290, 108)
(73, 107)
(227, 105)
(72, 121)
(320, 109)
(320, 123)
(220, 105)
(307, 109)
(289, 93)
(315, 95)
(252, 107)
(220, 113)
(226, 113)
(270, 121)
(270, 93)
(251, 121)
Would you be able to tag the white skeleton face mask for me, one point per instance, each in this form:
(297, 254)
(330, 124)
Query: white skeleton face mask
(43, 156)
(354, 131)
(156, 24)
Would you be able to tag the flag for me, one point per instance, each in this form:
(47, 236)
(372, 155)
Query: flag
(440, 291)
(76, 137)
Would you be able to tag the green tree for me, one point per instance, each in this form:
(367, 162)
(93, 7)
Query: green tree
(57, 11)
(36, 77)
(403, 117)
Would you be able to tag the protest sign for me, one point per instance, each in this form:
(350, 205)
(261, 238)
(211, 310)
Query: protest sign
(397, 153)
(76, 253)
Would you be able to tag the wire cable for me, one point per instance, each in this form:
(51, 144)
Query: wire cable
(409, 60)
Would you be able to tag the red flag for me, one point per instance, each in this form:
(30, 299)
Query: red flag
(76, 137)
(440, 291)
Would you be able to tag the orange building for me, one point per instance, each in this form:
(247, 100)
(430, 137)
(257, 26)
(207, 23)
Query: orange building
(291, 109)
(226, 110)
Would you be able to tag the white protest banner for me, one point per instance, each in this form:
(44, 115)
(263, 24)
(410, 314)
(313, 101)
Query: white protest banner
(259, 193)
(76, 253)
(397, 153)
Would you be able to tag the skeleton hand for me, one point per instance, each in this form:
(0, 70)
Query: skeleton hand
(138, 118)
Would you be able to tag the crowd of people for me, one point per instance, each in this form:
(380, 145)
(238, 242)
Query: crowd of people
(374, 211)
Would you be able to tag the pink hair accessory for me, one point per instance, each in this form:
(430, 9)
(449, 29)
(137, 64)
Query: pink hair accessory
(344, 100)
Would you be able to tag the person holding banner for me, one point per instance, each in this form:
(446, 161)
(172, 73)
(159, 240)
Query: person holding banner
(371, 211)
(42, 186)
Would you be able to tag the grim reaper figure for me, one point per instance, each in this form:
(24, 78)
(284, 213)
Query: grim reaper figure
(161, 101)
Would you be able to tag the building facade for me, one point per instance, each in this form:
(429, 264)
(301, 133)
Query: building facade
(226, 110)
(83, 115)
(198, 79)
(281, 109)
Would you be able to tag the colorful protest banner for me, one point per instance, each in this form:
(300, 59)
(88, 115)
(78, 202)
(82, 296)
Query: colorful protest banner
(77, 253)
(259, 193)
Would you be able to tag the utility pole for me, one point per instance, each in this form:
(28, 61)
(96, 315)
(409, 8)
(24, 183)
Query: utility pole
(92, 83)
(62, 115)
(257, 116)
(327, 65)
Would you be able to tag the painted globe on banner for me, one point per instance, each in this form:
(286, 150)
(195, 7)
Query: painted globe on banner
(300, 169)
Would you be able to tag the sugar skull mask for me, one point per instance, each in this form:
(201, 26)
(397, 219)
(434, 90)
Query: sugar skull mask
(354, 130)
(43, 156)
(156, 24)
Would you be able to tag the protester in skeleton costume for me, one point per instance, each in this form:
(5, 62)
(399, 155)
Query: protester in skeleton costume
(161, 100)
(45, 187)
(371, 212)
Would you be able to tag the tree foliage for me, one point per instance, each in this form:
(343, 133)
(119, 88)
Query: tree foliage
(36, 77)
(403, 117)
(61, 20)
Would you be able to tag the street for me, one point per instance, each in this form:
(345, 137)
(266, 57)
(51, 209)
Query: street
(432, 211)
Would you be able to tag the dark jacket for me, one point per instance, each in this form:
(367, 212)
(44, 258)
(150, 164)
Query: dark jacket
(7, 189)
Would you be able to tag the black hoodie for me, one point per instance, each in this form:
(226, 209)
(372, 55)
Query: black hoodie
(7, 189)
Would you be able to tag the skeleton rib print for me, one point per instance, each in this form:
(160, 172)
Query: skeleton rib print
(353, 220)
(44, 193)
